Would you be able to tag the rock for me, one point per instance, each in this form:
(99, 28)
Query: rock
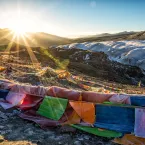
(1, 127)
(100, 143)
(1, 139)
(80, 139)
(30, 132)
(60, 143)
(3, 115)
(16, 112)
(5, 132)
(77, 143)
(86, 137)
(54, 137)
(67, 129)
(9, 115)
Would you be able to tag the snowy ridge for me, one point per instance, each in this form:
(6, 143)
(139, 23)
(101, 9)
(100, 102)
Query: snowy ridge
(126, 52)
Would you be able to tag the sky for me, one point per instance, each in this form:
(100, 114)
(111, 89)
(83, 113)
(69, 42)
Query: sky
(72, 18)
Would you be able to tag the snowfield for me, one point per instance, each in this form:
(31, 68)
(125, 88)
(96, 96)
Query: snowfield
(126, 52)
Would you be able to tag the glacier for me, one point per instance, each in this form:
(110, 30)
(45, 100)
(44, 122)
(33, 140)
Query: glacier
(126, 52)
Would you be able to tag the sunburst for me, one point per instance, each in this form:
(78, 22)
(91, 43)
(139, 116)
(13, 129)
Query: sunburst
(19, 27)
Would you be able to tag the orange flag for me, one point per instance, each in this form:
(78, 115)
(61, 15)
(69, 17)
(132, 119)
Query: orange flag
(85, 110)
(74, 118)
(129, 139)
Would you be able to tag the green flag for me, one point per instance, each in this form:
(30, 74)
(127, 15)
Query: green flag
(53, 107)
(97, 131)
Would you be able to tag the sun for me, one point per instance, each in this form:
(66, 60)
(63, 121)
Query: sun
(22, 24)
(19, 27)
(19, 31)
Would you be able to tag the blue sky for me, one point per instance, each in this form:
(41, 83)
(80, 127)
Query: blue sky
(75, 17)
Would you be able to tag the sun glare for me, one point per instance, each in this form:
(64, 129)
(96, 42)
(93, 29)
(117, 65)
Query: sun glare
(22, 23)
(19, 27)
(19, 31)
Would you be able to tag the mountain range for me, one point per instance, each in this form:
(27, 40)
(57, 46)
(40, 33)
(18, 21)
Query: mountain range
(41, 39)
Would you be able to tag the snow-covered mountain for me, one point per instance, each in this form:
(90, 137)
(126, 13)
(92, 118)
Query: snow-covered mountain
(126, 52)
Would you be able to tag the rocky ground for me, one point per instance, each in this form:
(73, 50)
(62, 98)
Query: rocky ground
(97, 64)
(16, 131)
(95, 71)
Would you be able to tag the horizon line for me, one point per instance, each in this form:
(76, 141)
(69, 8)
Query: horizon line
(73, 36)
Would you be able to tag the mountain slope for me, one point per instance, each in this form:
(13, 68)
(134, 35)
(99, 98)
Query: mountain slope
(105, 37)
(44, 39)
(137, 36)
(38, 39)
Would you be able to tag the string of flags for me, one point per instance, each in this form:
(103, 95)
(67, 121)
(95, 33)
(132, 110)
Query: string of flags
(120, 116)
